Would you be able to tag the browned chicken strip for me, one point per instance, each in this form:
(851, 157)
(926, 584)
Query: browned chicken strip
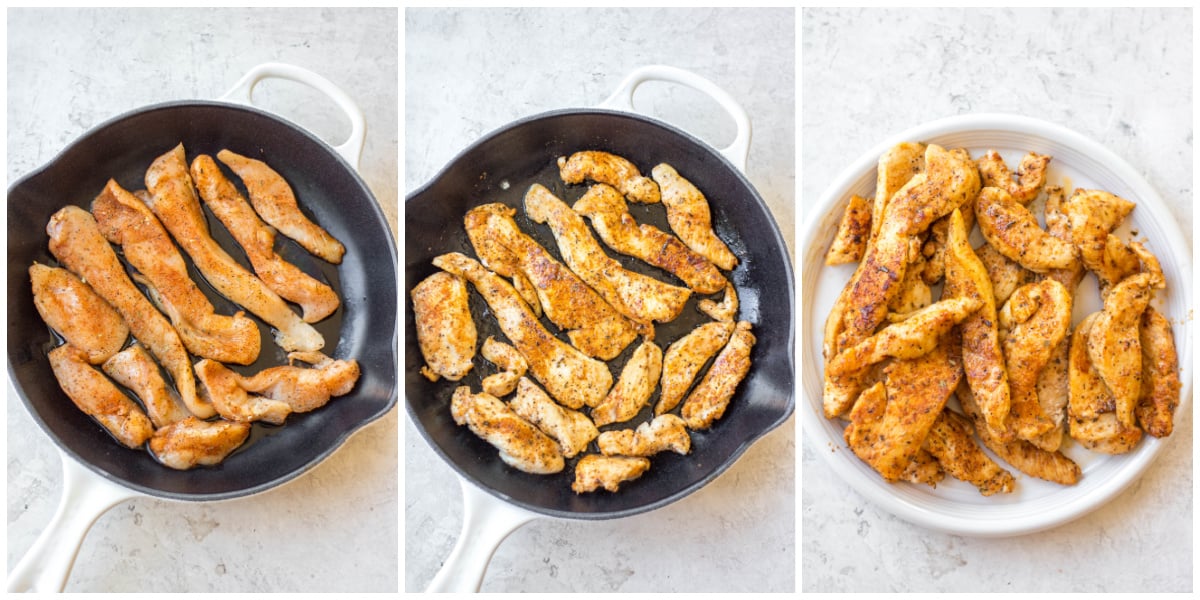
(316, 299)
(70, 307)
(639, 297)
(603, 167)
(950, 441)
(1030, 176)
(274, 201)
(135, 369)
(1032, 323)
(854, 230)
(521, 445)
(572, 378)
(1012, 230)
(232, 401)
(595, 471)
(897, 167)
(174, 202)
(1093, 215)
(684, 359)
(690, 218)
(1092, 410)
(610, 217)
(725, 310)
(304, 389)
(98, 397)
(662, 433)
(1024, 456)
(126, 221)
(632, 391)
(1005, 274)
(570, 428)
(445, 331)
(76, 242)
(1160, 375)
(1114, 345)
(924, 469)
(512, 367)
(194, 443)
(709, 400)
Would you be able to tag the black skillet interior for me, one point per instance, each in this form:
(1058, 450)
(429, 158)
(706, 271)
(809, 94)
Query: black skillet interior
(500, 168)
(328, 189)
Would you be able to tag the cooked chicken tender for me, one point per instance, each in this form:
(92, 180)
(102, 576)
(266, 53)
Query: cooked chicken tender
(304, 389)
(1030, 176)
(570, 428)
(98, 397)
(1092, 415)
(135, 369)
(1032, 323)
(662, 433)
(914, 293)
(725, 310)
(1093, 215)
(595, 471)
(1023, 455)
(1012, 230)
(604, 167)
(521, 445)
(1005, 274)
(512, 367)
(632, 391)
(711, 397)
(223, 387)
(897, 167)
(950, 441)
(275, 202)
(445, 331)
(70, 307)
(1114, 344)
(854, 230)
(924, 469)
(685, 357)
(316, 299)
(1160, 375)
(690, 218)
(194, 443)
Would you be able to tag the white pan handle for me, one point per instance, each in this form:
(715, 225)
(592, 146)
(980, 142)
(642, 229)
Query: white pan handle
(487, 520)
(622, 99)
(86, 496)
(351, 149)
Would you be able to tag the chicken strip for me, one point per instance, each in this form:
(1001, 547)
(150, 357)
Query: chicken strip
(663, 433)
(521, 445)
(445, 331)
(951, 443)
(70, 307)
(316, 299)
(98, 397)
(690, 218)
(914, 293)
(275, 202)
(1026, 457)
(174, 202)
(223, 387)
(1093, 215)
(135, 369)
(923, 469)
(611, 169)
(1114, 345)
(570, 428)
(854, 230)
(571, 377)
(1005, 274)
(512, 367)
(194, 443)
(1091, 412)
(897, 167)
(1012, 230)
(934, 248)
(684, 358)
(1033, 321)
(76, 242)
(725, 310)
(639, 297)
(711, 396)
(304, 389)
(1160, 375)
(592, 325)
(595, 471)
(124, 220)
(632, 391)
(611, 220)
(1030, 176)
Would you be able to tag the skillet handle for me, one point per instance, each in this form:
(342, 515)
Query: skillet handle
(86, 496)
(622, 99)
(351, 149)
(486, 522)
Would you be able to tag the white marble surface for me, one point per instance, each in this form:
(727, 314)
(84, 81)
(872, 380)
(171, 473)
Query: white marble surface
(468, 72)
(332, 529)
(1120, 77)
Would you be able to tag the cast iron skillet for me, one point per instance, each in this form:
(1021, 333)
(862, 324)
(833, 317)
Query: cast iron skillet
(363, 328)
(500, 168)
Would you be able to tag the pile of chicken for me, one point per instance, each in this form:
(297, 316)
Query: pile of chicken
(602, 307)
(1000, 335)
(94, 306)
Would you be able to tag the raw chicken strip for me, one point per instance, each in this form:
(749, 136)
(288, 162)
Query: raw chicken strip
(445, 331)
(570, 428)
(595, 471)
(521, 445)
(135, 369)
(638, 379)
(711, 397)
(70, 307)
(191, 442)
(98, 397)
(684, 358)
(690, 218)
(663, 433)
(608, 168)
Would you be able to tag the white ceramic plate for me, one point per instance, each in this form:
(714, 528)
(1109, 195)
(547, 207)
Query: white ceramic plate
(1035, 505)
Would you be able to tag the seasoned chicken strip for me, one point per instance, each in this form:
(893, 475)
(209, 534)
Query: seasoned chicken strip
(934, 248)
(304, 389)
(1114, 345)
(662, 433)
(914, 293)
(950, 441)
(639, 297)
(1005, 274)
(232, 401)
(274, 201)
(512, 367)
(1033, 321)
(124, 220)
(70, 307)
(571, 377)
(1012, 230)
(854, 230)
(570, 428)
(174, 202)
(316, 298)
(610, 217)
(1030, 176)
(135, 369)
(595, 471)
(1093, 215)
(711, 397)
(924, 469)
(638, 379)
(194, 443)
(611, 169)
(445, 331)
(592, 325)
(684, 358)
(521, 445)
(725, 310)
(76, 242)
(1091, 412)
(690, 218)
(1026, 457)
(1160, 375)
(98, 397)
(897, 167)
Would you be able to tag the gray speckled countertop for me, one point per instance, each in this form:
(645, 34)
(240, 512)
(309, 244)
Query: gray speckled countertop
(1120, 77)
(468, 72)
(335, 527)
